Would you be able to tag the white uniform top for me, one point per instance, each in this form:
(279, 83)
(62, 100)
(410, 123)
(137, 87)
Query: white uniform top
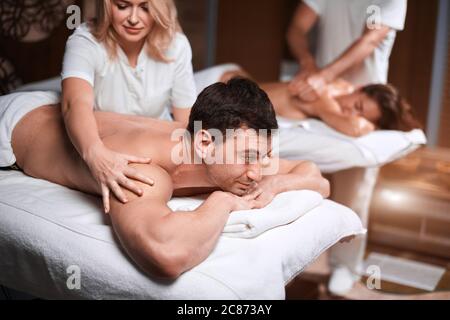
(342, 22)
(147, 90)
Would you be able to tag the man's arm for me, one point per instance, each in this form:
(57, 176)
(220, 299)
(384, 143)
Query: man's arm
(166, 243)
(298, 175)
(356, 53)
(297, 37)
(284, 175)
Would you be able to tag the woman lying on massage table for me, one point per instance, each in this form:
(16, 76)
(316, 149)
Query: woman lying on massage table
(165, 243)
(354, 112)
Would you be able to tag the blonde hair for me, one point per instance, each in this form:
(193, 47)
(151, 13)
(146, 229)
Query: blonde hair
(164, 29)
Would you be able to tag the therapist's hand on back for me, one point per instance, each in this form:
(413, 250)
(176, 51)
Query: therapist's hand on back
(308, 86)
(112, 172)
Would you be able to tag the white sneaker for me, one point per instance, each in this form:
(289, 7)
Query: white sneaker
(341, 281)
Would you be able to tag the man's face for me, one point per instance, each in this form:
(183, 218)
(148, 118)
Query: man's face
(237, 164)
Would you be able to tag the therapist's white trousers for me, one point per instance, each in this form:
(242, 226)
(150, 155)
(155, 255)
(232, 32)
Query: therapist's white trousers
(354, 189)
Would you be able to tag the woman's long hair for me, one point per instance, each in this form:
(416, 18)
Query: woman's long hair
(396, 112)
(163, 31)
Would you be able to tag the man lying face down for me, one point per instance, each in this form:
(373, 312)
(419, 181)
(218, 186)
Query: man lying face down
(164, 243)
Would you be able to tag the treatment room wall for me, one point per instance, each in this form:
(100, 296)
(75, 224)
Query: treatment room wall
(444, 133)
(412, 57)
(193, 20)
(37, 55)
(251, 33)
(32, 40)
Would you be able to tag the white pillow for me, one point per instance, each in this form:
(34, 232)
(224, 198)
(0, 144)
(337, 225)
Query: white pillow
(46, 229)
(206, 77)
(333, 151)
(203, 78)
(52, 84)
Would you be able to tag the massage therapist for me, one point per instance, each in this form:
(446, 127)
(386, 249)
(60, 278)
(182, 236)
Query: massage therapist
(132, 59)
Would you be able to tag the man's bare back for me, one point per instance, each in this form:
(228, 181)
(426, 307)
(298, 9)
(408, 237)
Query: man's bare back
(41, 133)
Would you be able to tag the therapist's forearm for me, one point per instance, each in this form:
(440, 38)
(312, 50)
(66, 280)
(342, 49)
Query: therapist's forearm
(181, 115)
(298, 43)
(355, 54)
(297, 36)
(77, 105)
(81, 126)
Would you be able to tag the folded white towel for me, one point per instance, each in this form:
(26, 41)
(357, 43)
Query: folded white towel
(285, 208)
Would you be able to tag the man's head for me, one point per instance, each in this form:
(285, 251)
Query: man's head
(230, 125)
(382, 105)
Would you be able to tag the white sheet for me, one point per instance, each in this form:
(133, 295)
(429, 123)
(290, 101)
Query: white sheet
(12, 108)
(46, 228)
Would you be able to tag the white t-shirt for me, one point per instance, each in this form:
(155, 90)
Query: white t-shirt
(147, 90)
(342, 22)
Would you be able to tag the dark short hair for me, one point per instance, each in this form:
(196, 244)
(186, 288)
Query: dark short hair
(239, 103)
(396, 113)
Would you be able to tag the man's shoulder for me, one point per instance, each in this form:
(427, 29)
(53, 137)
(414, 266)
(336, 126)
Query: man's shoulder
(162, 187)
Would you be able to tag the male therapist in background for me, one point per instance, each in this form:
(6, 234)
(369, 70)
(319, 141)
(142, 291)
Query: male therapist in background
(354, 42)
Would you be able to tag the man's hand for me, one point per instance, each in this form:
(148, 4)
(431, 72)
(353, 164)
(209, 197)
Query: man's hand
(236, 203)
(262, 193)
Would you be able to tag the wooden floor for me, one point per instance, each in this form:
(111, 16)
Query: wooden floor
(425, 177)
(312, 283)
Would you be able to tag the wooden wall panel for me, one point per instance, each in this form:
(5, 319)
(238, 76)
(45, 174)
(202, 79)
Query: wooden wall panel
(193, 20)
(39, 60)
(412, 57)
(444, 129)
(252, 34)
